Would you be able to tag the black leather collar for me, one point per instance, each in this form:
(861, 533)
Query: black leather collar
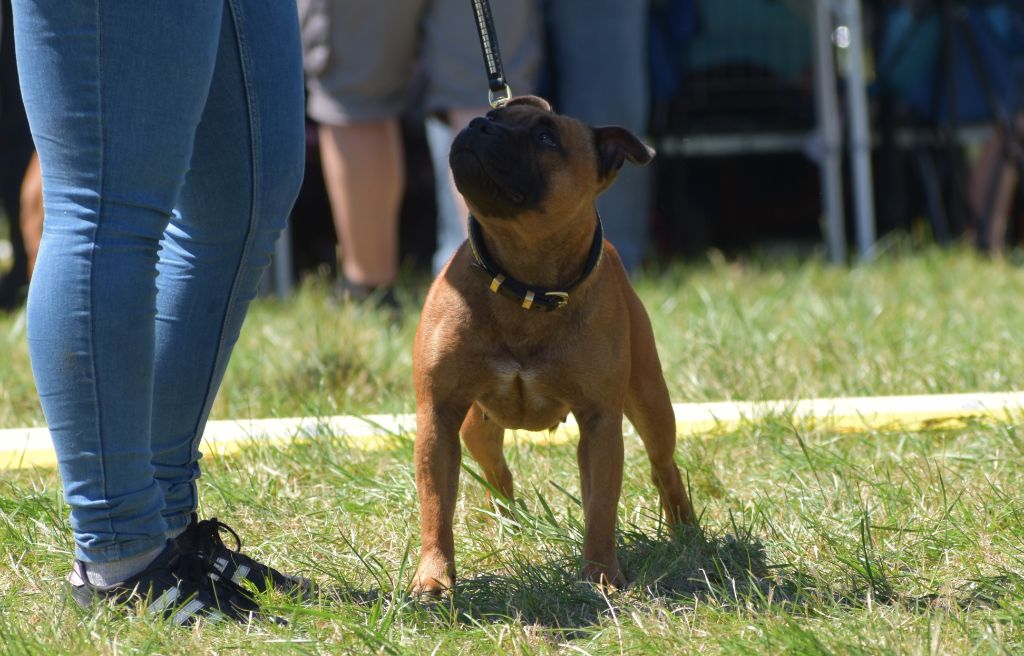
(529, 297)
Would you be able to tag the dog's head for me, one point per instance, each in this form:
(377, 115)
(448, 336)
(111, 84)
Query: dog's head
(525, 159)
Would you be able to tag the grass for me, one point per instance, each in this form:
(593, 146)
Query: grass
(810, 542)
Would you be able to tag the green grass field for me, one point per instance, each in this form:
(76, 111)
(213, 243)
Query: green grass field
(810, 542)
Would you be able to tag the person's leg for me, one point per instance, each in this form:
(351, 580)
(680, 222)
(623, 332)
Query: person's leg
(992, 185)
(452, 212)
(16, 146)
(31, 219)
(246, 170)
(364, 170)
(14, 281)
(359, 57)
(458, 90)
(599, 49)
(114, 93)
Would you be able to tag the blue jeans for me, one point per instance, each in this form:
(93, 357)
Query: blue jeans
(599, 53)
(170, 134)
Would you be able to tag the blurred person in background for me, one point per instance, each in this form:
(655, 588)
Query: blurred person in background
(15, 152)
(32, 212)
(994, 187)
(943, 70)
(360, 58)
(598, 58)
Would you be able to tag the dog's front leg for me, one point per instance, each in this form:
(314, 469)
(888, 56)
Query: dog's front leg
(600, 456)
(437, 458)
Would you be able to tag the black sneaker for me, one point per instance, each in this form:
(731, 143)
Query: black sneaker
(173, 586)
(202, 538)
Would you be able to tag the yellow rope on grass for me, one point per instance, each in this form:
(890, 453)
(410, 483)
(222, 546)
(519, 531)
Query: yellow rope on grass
(31, 447)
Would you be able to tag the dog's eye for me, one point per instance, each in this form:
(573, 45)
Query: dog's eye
(547, 139)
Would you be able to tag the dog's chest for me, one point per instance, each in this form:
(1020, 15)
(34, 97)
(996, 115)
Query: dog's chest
(523, 394)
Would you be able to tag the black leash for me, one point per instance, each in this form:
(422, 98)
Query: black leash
(498, 92)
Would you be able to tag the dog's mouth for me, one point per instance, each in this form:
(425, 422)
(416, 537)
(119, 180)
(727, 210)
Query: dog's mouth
(475, 179)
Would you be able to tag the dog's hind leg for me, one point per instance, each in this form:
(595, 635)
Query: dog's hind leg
(484, 439)
(655, 422)
(649, 408)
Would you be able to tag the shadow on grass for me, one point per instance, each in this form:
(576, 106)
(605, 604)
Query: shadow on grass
(546, 591)
(686, 568)
(539, 585)
(676, 570)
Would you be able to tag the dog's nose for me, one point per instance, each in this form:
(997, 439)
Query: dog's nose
(482, 124)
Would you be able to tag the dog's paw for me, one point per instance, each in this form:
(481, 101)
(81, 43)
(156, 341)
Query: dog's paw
(435, 576)
(504, 505)
(609, 578)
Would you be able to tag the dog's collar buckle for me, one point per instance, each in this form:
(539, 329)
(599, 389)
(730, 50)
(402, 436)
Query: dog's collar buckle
(529, 299)
(561, 299)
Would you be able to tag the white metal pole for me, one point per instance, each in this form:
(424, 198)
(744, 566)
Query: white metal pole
(829, 134)
(860, 133)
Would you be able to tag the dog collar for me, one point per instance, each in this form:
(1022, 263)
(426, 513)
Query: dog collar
(528, 296)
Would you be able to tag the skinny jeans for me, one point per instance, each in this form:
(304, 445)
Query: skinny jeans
(170, 135)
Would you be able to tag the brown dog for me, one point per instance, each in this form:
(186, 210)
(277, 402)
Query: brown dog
(492, 352)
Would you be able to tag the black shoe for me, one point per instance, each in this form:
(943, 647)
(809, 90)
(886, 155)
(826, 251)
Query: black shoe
(202, 538)
(174, 586)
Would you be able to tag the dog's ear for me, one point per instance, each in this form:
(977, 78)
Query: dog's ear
(533, 101)
(614, 146)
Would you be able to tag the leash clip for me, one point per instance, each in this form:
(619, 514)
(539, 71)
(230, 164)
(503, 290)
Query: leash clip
(498, 99)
